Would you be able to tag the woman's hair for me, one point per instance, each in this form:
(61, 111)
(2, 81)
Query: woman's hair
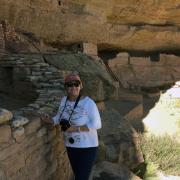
(73, 76)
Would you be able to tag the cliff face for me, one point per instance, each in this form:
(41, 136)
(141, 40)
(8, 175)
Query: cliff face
(31, 83)
(139, 42)
(124, 25)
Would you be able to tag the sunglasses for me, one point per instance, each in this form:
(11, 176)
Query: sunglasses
(75, 84)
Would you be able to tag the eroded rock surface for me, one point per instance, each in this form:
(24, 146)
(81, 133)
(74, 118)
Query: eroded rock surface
(34, 72)
(112, 171)
(127, 25)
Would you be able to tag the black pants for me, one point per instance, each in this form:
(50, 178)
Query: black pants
(82, 160)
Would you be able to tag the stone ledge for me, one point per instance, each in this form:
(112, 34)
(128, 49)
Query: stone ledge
(5, 116)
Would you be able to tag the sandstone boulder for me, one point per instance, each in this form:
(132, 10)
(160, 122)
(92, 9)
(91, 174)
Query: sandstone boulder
(5, 115)
(18, 134)
(19, 121)
(111, 171)
(5, 134)
(119, 137)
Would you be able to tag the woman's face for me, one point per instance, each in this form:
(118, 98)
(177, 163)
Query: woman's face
(73, 89)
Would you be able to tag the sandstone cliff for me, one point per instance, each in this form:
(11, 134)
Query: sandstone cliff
(123, 49)
(117, 24)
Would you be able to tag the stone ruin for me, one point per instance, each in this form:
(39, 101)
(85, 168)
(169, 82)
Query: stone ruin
(28, 149)
(30, 84)
(141, 43)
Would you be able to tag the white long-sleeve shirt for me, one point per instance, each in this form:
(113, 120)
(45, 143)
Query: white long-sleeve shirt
(85, 113)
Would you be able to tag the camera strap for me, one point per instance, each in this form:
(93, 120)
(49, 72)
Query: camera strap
(75, 105)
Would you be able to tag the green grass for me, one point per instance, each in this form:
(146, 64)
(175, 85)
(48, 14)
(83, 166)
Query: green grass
(151, 171)
(161, 154)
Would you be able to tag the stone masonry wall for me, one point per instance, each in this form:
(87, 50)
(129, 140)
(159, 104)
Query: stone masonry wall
(146, 73)
(47, 80)
(29, 149)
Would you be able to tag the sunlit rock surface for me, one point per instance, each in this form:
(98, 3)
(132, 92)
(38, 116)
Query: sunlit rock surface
(5, 115)
(164, 117)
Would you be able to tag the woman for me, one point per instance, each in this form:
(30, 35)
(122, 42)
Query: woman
(79, 119)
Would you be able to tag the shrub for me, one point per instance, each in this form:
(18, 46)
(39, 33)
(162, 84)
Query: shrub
(161, 154)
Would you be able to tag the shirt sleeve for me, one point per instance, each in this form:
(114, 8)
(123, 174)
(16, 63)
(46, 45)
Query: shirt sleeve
(94, 116)
(56, 119)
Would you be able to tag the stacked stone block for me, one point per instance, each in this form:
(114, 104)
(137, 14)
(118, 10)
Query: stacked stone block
(2, 41)
(31, 70)
(29, 150)
(90, 49)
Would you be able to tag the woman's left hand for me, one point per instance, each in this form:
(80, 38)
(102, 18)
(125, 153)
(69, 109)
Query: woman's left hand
(78, 129)
(73, 129)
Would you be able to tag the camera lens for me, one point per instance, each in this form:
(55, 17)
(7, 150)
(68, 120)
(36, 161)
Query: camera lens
(71, 140)
(65, 124)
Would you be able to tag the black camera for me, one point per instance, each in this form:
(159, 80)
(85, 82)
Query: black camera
(71, 140)
(65, 124)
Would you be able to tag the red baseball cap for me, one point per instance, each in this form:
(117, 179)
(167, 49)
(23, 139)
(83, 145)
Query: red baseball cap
(72, 77)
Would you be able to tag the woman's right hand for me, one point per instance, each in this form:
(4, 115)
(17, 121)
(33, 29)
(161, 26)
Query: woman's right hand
(45, 118)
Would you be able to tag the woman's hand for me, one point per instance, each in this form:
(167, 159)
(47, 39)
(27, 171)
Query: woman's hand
(45, 118)
(77, 129)
(84, 128)
(72, 129)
